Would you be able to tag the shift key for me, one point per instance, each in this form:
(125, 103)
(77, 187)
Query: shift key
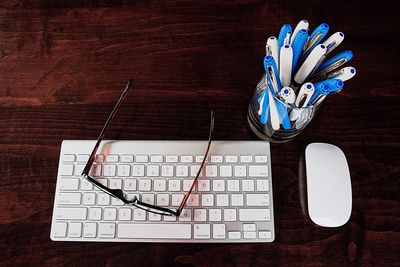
(71, 213)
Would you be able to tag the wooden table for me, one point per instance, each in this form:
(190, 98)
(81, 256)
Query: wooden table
(64, 63)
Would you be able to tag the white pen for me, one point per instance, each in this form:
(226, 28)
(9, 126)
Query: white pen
(313, 60)
(285, 65)
(333, 41)
(288, 95)
(272, 48)
(302, 25)
(343, 74)
(302, 100)
(273, 111)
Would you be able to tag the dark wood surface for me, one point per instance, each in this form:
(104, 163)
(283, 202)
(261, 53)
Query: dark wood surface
(63, 64)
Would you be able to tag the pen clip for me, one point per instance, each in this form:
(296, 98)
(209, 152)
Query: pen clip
(274, 83)
(268, 50)
(314, 40)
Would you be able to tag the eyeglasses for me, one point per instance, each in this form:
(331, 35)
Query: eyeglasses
(118, 193)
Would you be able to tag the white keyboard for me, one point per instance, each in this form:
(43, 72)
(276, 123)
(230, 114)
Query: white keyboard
(232, 202)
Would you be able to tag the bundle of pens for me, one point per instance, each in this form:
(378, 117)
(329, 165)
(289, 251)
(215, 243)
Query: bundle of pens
(298, 75)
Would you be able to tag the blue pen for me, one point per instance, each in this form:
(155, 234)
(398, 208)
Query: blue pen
(298, 46)
(265, 108)
(284, 36)
(316, 36)
(272, 74)
(335, 85)
(331, 64)
(283, 114)
(321, 90)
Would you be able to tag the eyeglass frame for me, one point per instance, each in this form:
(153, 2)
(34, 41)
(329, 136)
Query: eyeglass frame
(118, 193)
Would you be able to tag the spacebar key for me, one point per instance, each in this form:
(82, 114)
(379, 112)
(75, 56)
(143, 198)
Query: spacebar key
(148, 231)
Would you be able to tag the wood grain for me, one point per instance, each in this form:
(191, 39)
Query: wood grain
(63, 64)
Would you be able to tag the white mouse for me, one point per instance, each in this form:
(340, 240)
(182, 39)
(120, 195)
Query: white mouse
(328, 185)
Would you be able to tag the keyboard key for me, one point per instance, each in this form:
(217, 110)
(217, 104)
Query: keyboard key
(103, 182)
(156, 158)
(234, 235)
(230, 215)
(107, 230)
(219, 231)
(89, 199)
(237, 200)
(138, 170)
(154, 217)
(95, 214)
(187, 159)
(68, 158)
(258, 171)
(71, 213)
(207, 200)
(182, 171)
(96, 170)
(167, 171)
(214, 215)
(112, 158)
(67, 170)
(141, 158)
(211, 170)
(203, 185)
(153, 170)
(144, 184)
(186, 215)
(222, 200)
(249, 227)
(187, 184)
(193, 200)
(86, 185)
(249, 235)
(110, 214)
(99, 158)
(160, 185)
(60, 229)
(248, 185)
(246, 159)
(233, 185)
(200, 215)
(199, 159)
(82, 158)
(126, 158)
(115, 183)
(261, 159)
(171, 158)
(124, 170)
(139, 215)
(129, 184)
(69, 184)
(201, 231)
(148, 230)
(171, 218)
(148, 198)
(124, 214)
(216, 159)
(257, 199)
(116, 202)
(163, 200)
(176, 199)
(194, 169)
(78, 169)
(75, 229)
(240, 171)
(90, 230)
(262, 185)
(225, 171)
(174, 185)
(109, 170)
(103, 199)
(69, 198)
(254, 215)
(231, 159)
(218, 185)
(264, 234)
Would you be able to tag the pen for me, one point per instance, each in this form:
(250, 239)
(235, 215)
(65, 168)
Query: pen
(309, 65)
(298, 46)
(316, 36)
(302, 100)
(264, 106)
(288, 95)
(333, 63)
(333, 41)
(284, 36)
(285, 65)
(321, 91)
(283, 115)
(343, 74)
(272, 48)
(302, 25)
(271, 73)
(273, 111)
(335, 85)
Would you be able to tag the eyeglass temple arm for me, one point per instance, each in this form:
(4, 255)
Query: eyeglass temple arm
(89, 164)
(186, 197)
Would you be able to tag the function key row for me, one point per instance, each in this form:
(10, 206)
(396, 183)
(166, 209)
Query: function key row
(127, 158)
